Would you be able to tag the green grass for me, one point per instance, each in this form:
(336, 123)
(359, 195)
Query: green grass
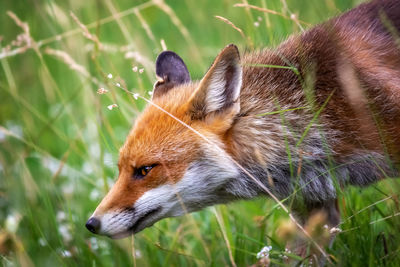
(59, 142)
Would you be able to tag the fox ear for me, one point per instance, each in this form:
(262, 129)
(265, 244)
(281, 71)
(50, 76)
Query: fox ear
(219, 89)
(171, 71)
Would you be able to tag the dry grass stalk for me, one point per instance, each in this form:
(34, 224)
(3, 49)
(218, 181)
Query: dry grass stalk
(68, 60)
(232, 25)
(8, 52)
(20, 23)
(126, 33)
(163, 45)
(223, 230)
(23, 41)
(141, 59)
(145, 26)
(85, 30)
(273, 12)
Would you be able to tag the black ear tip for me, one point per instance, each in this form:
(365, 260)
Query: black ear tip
(167, 57)
(232, 46)
(171, 66)
(166, 54)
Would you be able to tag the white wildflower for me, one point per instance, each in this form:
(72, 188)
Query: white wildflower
(110, 107)
(102, 91)
(135, 96)
(264, 253)
(135, 69)
(118, 84)
(109, 76)
(150, 93)
(325, 226)
(259, 18)
(256, 24)
(141, 70)
(293, 16)
(335, 230)
(283, 256)
(66, 254)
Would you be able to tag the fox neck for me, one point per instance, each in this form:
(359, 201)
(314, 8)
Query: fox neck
(310, 170)
(264, 140)
(267, 150)
(273, 147)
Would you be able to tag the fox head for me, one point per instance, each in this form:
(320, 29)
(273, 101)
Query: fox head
(175, 159)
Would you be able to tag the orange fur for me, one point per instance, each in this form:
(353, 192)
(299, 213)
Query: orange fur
(352, 61)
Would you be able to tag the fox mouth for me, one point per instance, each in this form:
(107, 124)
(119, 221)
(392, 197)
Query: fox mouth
(138, 225)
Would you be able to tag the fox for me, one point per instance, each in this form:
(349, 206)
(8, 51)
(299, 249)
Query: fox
(318, 113)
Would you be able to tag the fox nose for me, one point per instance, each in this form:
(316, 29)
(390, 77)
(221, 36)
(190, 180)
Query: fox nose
(93, 225)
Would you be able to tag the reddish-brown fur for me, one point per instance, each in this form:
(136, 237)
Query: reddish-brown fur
(351, 64)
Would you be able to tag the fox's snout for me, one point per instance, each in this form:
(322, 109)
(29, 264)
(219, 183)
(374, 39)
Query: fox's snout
(122, 223)
(93, 225)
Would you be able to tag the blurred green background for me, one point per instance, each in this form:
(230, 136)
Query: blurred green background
(59, 141)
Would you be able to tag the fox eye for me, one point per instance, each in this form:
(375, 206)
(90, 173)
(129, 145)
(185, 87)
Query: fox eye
(141, 172)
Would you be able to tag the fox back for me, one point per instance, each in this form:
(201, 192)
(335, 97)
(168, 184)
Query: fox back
(319, 112)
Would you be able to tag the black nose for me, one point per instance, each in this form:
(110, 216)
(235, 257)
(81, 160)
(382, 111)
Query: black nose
(93, 225)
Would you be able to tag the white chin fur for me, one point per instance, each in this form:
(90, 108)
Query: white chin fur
(118, 225)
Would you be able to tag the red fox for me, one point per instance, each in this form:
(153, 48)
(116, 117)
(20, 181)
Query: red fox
(320, 112)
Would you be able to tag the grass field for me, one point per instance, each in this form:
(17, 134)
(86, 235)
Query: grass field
(59, 141)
